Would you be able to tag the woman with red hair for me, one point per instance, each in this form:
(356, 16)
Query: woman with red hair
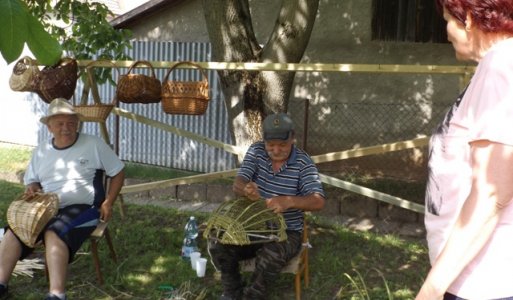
(469, 211)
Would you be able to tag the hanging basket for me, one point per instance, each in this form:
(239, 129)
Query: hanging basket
(94, 112)
(185, 97)
(58, 81)
(97, 111)
(24, 75)
(28, 215)
(139, 88)
(243, 222)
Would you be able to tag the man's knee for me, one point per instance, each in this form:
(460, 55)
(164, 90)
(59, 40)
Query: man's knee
(53, 243)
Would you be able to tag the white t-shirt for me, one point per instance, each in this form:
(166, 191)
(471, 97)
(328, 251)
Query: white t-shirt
(484, 113)
(73, 173)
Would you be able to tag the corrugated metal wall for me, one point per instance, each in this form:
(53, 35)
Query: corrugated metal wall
(146, 144)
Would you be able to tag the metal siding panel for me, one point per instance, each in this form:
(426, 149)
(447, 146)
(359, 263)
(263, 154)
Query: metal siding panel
(145, 144)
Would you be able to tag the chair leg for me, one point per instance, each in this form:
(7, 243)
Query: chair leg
(122, 208)
(96, 260)
(297, 285)
(111, 246)
(306, 270)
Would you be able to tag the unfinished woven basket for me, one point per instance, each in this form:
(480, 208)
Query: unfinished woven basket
(243, 222)
(28, 215)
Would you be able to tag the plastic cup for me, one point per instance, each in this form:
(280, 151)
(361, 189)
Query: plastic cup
(201, 266)
(194, 257)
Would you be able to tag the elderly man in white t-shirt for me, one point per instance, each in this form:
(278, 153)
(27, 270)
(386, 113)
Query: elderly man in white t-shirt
(72, 165)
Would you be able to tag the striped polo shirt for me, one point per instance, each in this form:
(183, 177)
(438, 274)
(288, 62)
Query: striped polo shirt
(297, 177)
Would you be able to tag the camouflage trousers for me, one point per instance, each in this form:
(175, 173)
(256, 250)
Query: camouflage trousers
(270, 259)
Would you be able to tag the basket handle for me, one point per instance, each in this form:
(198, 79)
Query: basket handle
(27, 197)
(205, 78)
(90, 82)
(142, 62)
(27, 60)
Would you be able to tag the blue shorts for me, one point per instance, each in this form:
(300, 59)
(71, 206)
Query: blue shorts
(73, 224)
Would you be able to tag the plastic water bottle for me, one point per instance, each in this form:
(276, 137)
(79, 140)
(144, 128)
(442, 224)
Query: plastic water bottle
(189, 242)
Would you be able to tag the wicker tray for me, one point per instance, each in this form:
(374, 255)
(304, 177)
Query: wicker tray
(94, 112)
(28, 215)
(97, 111)
(243, 222)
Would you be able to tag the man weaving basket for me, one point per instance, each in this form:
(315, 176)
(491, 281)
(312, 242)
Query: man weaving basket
(285, 176)
(71, 165)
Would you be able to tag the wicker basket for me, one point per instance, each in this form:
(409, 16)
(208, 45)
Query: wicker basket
(139, 88)
(28, 215)
(24, 75)
(243, 222)
(185, 97)
(98, 111)
(94, 112)
(58, 81)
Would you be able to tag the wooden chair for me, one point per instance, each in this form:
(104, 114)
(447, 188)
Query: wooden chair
(101, 231)
(297, 265)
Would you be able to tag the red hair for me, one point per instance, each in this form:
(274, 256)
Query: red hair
(487, 15)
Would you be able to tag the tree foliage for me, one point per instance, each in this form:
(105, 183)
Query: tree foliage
(20, 27)
(80, 29)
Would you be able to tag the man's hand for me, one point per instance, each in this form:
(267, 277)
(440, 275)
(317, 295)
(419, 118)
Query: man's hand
(106, 211)
(251, 191)
(278, 204)
(33, 188)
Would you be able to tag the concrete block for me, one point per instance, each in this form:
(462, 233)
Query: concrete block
(131, 181)
(331, 206)
(358, 206)
(164, 193)
(392, 212)
(217, 193)
(192, 192)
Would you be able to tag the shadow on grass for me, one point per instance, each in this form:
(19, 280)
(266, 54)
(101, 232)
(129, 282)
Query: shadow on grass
(148, 243)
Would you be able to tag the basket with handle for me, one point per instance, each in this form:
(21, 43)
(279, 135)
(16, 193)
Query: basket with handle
(24, 75)
(139, 88)
(185, 97)
(242, 222)
(97, 111)
(57, 81)
(28, 215)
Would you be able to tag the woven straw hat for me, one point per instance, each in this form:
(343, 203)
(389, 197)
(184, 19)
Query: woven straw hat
(243, 222)
(28, 215)
(59, 106)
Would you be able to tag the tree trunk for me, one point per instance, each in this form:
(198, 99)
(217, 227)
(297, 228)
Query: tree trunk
(252, 95)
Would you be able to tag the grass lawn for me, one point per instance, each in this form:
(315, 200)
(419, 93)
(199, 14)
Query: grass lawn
(343, 264)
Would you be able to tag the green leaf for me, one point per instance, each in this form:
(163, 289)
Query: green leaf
(45, 48)
(14, 29)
